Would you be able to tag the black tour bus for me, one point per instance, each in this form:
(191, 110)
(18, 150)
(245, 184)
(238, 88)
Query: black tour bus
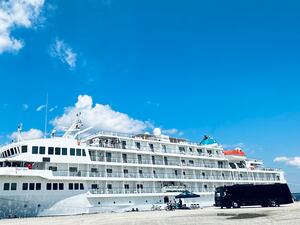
(253, 194)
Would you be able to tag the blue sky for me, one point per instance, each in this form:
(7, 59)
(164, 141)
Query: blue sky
(227, 69)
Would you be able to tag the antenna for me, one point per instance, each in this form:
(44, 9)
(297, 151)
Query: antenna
(46, 117)
(19, 137)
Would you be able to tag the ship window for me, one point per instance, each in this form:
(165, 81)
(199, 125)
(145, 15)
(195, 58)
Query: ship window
(72, 151)
(73, 169)
(61, 186)
(191, 149)
(53, 168)
(164, 148)
(15, 150)
(13, 186)
(8, 153)
(24, 148)
(6, 187)
(153, 159)
(25, 186)
(126, 186)
(109, 186)
(18, 148)
(50, 151)
(42, 150)
(70, 186)
(109, 170)
(139, 159)
(166, 160)
(203, 174)
(54, 186)
(138, 145)
(123, 144)
(48, 187)
(94, 170)
(181, 149)
(141, 172)
(176, 173)
(125, 171)
(81, 186)
(191, 162)
(31, 186)
(38, 186)
(64, 151)
(83, 152)
(57, 151)
(35, 149)
(151, 147)
(94, 186)
(205, 186)
(12, 151)
(76, 186)
(209, 151)
(199, 150)
(124, 157)
(78, 152)
(108, 156)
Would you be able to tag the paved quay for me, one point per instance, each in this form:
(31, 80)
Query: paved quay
(288, 214)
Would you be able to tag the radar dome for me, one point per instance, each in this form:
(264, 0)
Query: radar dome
(157, 132)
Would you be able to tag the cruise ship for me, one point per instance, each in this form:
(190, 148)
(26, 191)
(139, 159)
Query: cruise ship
(80, 172)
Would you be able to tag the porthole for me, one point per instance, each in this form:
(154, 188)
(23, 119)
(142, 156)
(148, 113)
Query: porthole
(129, 201)
(146, 201)
(99, 203)
(114, 202)
(25, 206)
(39, 205)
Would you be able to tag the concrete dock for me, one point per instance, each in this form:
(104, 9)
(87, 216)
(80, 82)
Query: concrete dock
(288, 214)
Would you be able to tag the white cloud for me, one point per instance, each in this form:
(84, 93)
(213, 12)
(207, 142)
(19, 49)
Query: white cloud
(14, 14)
(39, 108)
(28, 135)
(64, 53)
(290, 161)
(53, 108)
(99, 116)
(172, 132)
(25, 106)
(152, 104)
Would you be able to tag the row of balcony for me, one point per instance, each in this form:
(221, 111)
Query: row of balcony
(159, 176)
(190, 163)
(142, 191)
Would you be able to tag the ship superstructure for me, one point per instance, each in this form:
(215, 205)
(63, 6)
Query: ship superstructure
(108, 171)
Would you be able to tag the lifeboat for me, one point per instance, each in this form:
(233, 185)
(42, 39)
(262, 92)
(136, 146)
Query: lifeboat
(235, 152)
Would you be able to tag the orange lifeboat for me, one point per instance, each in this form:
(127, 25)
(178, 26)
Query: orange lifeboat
(236, 152)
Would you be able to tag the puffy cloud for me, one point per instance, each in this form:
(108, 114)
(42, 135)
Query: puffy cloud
(98, 116)
(28, 135)
(13, 14)
(64, 53)
(25, 106)
(173, 131)
(39, 108)
(291, 161)
(53, 108)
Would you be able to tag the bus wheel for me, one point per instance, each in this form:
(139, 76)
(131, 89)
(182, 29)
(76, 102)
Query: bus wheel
(235, 205)
(272, 203)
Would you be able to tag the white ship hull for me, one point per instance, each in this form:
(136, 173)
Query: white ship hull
(116, 173)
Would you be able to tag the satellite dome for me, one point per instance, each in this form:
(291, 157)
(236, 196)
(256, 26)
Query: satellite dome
(157, 132)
